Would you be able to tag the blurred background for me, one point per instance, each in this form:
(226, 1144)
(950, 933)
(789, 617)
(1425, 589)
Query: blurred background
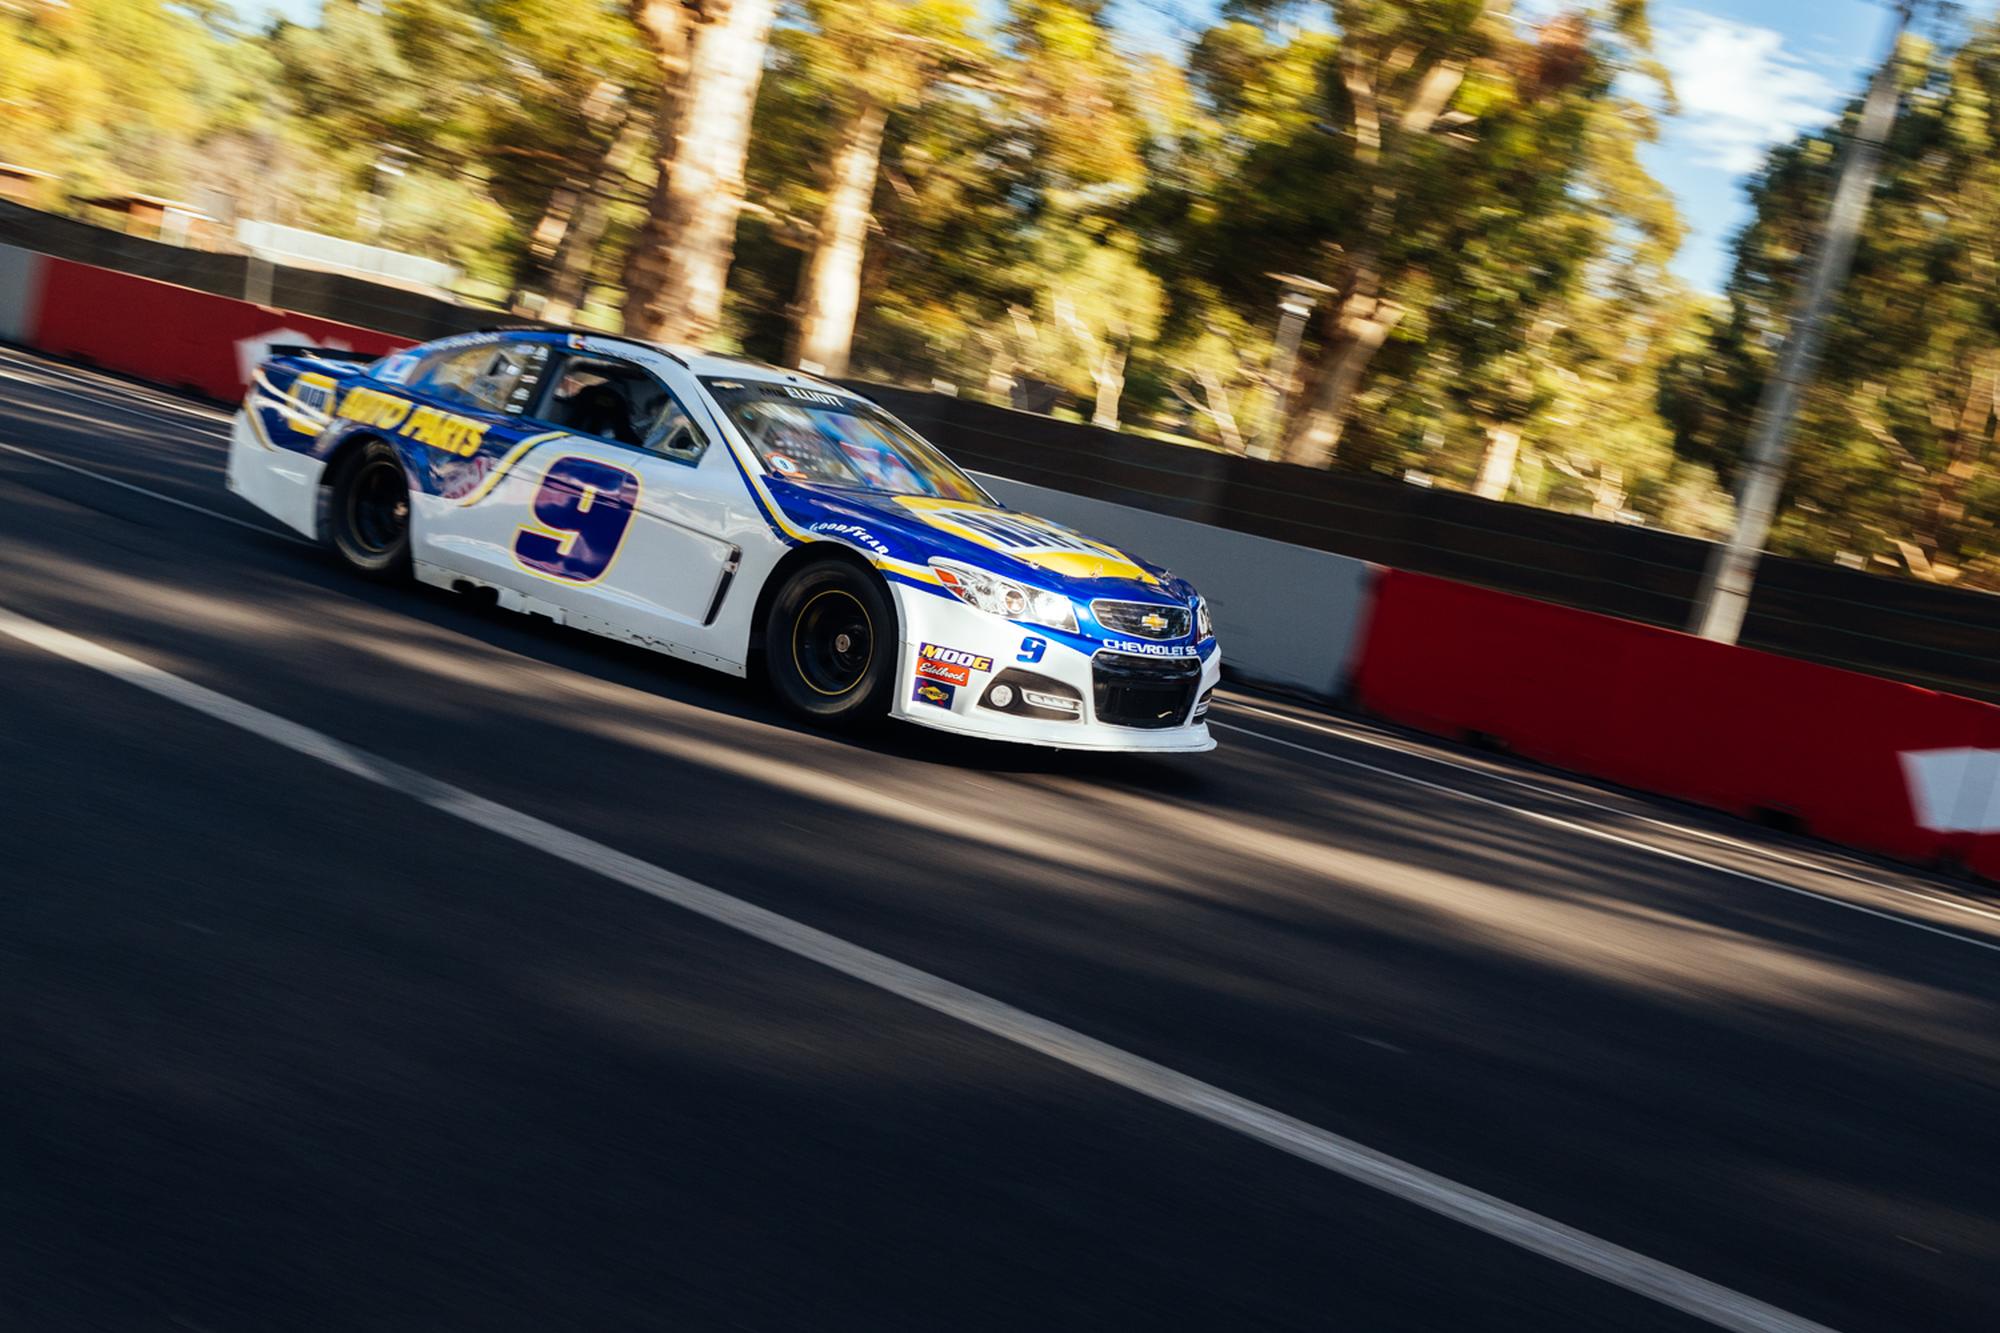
(1538, 252)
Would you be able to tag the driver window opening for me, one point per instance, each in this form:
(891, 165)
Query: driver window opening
(622, 403)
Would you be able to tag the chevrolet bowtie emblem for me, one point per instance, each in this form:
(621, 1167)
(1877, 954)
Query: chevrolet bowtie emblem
(1154, 621)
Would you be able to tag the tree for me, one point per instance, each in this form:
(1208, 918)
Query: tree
(1893, 446)
(1424, 98)
(862, 62)
(709, 58)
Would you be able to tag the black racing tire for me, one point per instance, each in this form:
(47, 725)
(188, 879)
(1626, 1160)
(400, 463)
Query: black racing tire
(369, 513)
(830, 645)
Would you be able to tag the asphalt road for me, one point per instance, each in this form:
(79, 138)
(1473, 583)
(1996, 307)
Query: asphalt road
(300, 1040)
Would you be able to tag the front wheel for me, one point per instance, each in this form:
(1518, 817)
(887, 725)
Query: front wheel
(830, 645)
(370, 517)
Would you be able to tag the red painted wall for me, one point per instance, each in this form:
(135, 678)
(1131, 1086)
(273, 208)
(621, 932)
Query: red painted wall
(1727, 727)
(166, 334)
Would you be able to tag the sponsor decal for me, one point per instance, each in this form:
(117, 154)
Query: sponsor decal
(812, 395)
(935, 694)
(855, 533)
(932, 652)
(953, 666)
(372, 407)
(944, 671)
(435, 427)
(455, 478)
(396, 370)
(309, 403)
(1151, 649)
(785, 465)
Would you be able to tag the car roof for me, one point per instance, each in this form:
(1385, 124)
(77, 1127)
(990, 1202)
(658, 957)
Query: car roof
(705, 364)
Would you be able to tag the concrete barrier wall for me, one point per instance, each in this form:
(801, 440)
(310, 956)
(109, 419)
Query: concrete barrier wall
(20, 291)
(1857, 759)
(1286, 615)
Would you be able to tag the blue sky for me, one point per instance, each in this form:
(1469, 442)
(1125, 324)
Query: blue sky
(1749, 73)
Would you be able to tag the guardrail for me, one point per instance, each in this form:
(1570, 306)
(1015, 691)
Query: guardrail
(1872, 763)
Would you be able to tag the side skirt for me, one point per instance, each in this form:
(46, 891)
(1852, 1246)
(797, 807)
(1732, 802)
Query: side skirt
(510, 599)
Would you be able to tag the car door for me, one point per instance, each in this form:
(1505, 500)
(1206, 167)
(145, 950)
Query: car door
(609, 512)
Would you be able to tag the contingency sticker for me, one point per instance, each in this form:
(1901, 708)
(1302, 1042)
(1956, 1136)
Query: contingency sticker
(931, 692)
(954, 666)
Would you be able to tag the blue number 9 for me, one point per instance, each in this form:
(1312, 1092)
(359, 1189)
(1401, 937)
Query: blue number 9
(582, 512)
(1032, 649)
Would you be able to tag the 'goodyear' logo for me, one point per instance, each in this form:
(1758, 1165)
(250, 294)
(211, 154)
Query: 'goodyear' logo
(440, 430)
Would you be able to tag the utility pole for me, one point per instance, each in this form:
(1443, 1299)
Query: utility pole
(1732, 568)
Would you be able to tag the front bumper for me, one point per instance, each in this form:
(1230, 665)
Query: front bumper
(951, 687)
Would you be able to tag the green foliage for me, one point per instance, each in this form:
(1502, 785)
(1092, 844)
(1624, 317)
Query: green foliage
(1060, 222)
(1893, 447)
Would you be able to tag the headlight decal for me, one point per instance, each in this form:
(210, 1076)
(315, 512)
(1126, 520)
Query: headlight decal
(985, 591)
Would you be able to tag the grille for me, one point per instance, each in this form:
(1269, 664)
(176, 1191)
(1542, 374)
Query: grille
(1136, 691)
(1130, 618)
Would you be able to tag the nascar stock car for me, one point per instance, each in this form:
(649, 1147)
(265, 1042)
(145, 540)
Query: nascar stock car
(730, 514)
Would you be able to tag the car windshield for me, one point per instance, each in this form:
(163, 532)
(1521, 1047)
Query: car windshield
(808, 434)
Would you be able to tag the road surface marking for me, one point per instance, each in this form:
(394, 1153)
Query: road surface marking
(141, 490)
(1237, 702)
(105, 391)
(1495, 1217)
(1528, 814)
(1604, 835)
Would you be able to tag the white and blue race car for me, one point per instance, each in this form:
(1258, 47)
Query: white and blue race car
(731, 514)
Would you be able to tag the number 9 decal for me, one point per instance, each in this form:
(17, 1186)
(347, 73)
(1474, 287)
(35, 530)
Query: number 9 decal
(581, 514)
(1032, 649)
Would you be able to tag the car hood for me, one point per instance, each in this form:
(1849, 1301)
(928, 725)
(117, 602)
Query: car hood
(1012, 544)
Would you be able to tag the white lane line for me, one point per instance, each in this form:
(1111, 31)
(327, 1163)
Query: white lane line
(165, 499)
(132, 404)
(1565, 824)
(1603, 835)
(105, 392)
(1236, 703)
(1624, 1268)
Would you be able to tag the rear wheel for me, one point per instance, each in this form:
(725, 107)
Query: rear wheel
(370, 520)
(830, 645)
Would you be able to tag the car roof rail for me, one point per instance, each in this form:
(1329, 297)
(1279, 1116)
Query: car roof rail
(532, 326)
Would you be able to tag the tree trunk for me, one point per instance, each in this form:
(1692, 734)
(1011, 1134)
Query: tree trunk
(676, 276)
(1496, 468)
(833, 273)
(1108, 372)
(1942, 511)
(567, 270)
(1218, 410)
(1361, 324)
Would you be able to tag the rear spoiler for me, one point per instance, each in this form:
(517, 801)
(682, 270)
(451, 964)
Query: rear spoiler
(321, 353)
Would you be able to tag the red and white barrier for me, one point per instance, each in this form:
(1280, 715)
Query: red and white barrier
(168, 335)
(1855, 759)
